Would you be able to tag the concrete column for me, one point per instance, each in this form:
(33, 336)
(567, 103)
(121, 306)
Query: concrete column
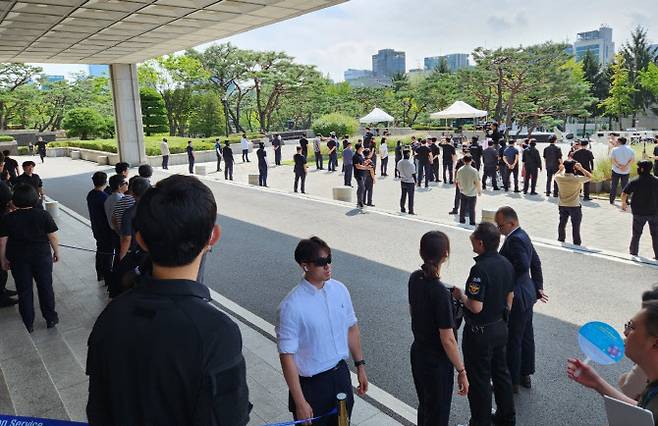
(128, 113)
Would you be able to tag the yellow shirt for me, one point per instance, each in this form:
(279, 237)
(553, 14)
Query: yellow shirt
(569, 186)
(467, 179)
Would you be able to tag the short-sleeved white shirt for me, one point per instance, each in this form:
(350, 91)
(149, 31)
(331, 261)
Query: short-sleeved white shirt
(313, 325)
(244, 143)
(622, 154)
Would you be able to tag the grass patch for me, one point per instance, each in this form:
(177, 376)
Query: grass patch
(603, 167)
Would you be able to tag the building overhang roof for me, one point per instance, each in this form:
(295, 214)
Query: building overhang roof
(119, 31)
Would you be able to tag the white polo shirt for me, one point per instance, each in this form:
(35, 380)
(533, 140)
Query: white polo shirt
(313, 325)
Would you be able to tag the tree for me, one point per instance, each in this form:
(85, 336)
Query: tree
(84, 122)
(13, 76)
(649, 79)
(154, 114)
(206, 119)
(619, 102)
(592, 74)
(637, 58)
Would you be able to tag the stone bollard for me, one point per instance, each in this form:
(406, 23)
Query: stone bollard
(52, 207)
(102, 160)
(342, 193)
(75, 155)
(253, 179)
(488, 216)
(200, 170)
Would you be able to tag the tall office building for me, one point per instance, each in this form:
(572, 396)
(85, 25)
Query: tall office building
(99, 71)
(599, 42)
(454, 61)
(388, 62)
(352, 74)
(653, 48)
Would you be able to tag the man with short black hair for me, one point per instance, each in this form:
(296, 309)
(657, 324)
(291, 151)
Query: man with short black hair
(532, 164)
(169, 314)
(490, 163)
(360, 171)
(300, 169)
(316, 331)
(621, 157)
(227, 154)
(145, 171)
(449, 155)
(11, 165)
(510, 159)
(553, 159)
(218, 154)
(100, 226)
(425, 161)
(468, 184)
(261, 154)
(407, 172)
(586, 159)
(348, 165)
(190, 157)
(569, 206)
(121, 168)
(137, 188)
(644, 205)
(32, 179)
(164, 151)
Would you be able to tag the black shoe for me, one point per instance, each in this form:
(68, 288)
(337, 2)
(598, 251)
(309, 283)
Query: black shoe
(533, 193)
(587, 199)
(6, 302)
(517, 191)
(295, 190)
(496, 189)
(462, 222)
(452, 212)
(548, 194)
(370, 205)
(11, 292)
(526, 382)
(412, 213)
(53, 323)
(524, 192)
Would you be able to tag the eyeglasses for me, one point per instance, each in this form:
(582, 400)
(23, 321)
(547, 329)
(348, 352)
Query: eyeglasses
(322, 261)
(629, 326)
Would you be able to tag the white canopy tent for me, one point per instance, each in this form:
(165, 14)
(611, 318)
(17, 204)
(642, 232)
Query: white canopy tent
(459, 109)
(377, 116)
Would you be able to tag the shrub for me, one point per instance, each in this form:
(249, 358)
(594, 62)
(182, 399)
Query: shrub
(23, 150)
(336, 122)
(86, 123)
(6, 138)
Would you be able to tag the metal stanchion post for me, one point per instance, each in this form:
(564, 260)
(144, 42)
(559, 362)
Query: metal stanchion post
(343, 420)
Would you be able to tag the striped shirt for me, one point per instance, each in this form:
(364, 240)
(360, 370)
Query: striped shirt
(119, 209)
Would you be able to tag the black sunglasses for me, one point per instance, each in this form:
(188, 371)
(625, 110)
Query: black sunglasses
(322, 261)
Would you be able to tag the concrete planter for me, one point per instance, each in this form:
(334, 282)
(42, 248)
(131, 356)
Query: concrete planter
(12, 146)
(596, 187)
(57, 152)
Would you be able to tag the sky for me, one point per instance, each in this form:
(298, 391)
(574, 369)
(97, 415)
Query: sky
(347, 35)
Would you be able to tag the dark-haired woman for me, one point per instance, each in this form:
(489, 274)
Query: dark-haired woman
(434, 352)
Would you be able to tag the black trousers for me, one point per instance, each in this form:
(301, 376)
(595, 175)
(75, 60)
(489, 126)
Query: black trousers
(550, 172)
(104, 256)
(320, 392)
(228, 170)
(434, 379)
(302, 177)
(586, 189)
(333, 161)
(40, 270)
(277, 156)
(424, 171)
(638, 227)
(447, 167)
(520, 344)
(4, 275)
(305, 151)
(369, 186)
(576, 215)
(530, 178)
(507, 173)
(616, 177)
(165, 162)
(457, 201)
(262, 175)
(489, 172)
(397, 160)
(360, 190)
(348, 169)
(467, 207)
(485, 359)
(245, 155)
(318, 160)
(219, 163)
(408, 190)
(384, 166)
(190, 164)
(435, 170)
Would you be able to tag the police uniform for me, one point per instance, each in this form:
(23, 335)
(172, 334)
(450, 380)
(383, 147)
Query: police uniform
(485, 338)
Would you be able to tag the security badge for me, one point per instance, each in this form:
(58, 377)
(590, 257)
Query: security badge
(474, 286)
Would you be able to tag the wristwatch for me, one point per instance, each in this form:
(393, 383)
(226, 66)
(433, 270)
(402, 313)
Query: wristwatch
(358, 363)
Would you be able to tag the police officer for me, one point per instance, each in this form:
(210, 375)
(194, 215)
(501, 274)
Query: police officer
(476, 152)
(487, 301)
(262, 164)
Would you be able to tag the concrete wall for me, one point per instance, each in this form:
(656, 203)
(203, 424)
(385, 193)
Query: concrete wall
(128, 113)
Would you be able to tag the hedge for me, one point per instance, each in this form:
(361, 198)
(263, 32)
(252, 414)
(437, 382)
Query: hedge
(336, 122)
(6, 138)
(97, 146)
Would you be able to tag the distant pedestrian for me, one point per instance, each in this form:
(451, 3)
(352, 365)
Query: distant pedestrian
(300, 169)
(622, 156)
(190, 156)
(586, 159)
(332, 147)
(436, 164)
(348, 165)
(369, 178)
(425, 161)
(476, 152)
(490, 164)
(164, 151)
(218, 153)
(398, 156)
(644, 205)
(317, 151)
(458, 165)
(303, 142)
(262, 164)
(277, 142)
(406, 170)
(468, 183)
(449, 156)
(41, 148)
(569, 186)
(383, 154)
(244, 144)
(29, 247)
(553, 159)
(511, 169)
(100, 226)
(532, 165)
(227, 154)
(360, 172)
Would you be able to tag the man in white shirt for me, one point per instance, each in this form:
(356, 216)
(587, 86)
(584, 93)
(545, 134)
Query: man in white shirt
(164, 151)
(383, 154)
(622, 156)
(244, 144)
(316, 332)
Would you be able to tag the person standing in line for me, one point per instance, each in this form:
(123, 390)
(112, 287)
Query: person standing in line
(468, 184)
(490, 164)
(190, 156)
(458, 165)
(644, 205)
(655, 156)
(244, 144)
(434, 351)
(487, 301)
(398, 157)
(11, 166)
(100, 226)
(218, 153)
(511, 168)
(569, 186)
(436, 165)
(303, 142)
(276, 144)
(164, 151)
(383, 154)
(406, 170)
(316, 332)
(553, 160)
(585, 158)
(528, 289)
(332, 147)
(227, 154)
(369, 178)
(145, 171)
(41, 148)
(262, 164)
(317, 150)
(29, 247)
(300, 169)
(348, 166)
(449, 157)
(621, 156)
(138, 187)
(532, 163)
(30, 178)
(476, 152)
(360, 172)
(5, 201)
(425, 161)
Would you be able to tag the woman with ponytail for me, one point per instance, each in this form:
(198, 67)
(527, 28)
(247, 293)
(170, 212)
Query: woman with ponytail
(434, 352)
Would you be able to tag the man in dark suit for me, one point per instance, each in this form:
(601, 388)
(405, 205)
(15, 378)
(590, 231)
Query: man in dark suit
(529, 288)
(586, 159)
(532, 162)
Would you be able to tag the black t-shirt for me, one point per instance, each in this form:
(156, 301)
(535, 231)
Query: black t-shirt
(261, 154)
(490, 281)
(644, 195)
(303, 142)
(431, 310)
(227, 153)
(585, 158)
(34, 181)
(276, 142)
(331, 144)
(358, 159)
(655, 154)
(96, 207)
(299, 160)
(552, 156)
(436, 151)
(27, 231)
(476, 151)
(190, 152)
(11, 167)
(398, 153)
(41, 146)
(423, 153)
(448, 151)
